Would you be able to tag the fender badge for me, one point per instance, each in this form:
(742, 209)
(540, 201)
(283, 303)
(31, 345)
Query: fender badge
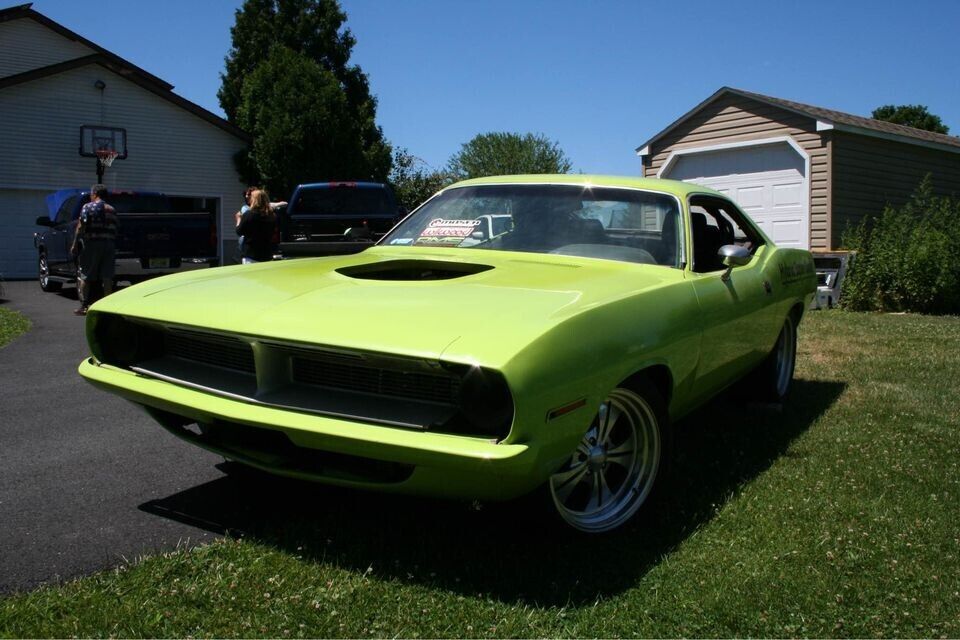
(553, 414)
(767, 287)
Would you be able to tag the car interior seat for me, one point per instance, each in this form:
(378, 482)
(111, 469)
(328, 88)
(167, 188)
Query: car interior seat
(667, 251)
(706, 244)
(592, 232)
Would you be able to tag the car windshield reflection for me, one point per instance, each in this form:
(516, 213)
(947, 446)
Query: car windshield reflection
(627, 225)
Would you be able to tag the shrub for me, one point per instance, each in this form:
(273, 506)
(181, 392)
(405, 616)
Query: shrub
(908, 258)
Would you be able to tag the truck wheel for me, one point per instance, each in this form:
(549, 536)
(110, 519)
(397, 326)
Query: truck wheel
(43, 270)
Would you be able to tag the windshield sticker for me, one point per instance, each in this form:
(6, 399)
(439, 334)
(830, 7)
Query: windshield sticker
(446, 233)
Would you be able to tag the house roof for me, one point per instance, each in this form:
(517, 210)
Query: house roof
(110, 61)
(826, 119)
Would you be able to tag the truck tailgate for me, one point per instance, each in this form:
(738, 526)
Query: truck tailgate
(166, 235)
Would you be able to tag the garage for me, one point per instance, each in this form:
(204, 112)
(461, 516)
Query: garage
(806, 174)
(768, 181)
(21, 207)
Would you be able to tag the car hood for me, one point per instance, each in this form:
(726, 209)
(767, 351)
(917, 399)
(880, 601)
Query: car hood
(502, 302)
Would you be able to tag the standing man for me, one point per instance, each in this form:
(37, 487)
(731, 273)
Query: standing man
(97, 229)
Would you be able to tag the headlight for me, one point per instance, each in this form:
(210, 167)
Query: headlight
(485, 401)
(120, 342)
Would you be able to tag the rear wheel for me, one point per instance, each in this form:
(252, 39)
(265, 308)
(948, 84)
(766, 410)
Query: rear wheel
(43, 272)
(614, 468)
(775, 376)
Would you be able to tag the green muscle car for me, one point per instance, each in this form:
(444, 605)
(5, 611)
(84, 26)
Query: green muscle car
(512, 332)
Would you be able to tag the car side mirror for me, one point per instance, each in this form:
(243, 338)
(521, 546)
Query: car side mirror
(44, 221)
(733, 256)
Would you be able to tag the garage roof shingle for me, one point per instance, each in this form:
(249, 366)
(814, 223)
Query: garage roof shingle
(829, 116)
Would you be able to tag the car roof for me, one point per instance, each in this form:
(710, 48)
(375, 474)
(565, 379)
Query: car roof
(674, 187)
(337, 183)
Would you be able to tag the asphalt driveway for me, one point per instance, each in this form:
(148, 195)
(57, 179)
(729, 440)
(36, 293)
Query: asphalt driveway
(78, 465)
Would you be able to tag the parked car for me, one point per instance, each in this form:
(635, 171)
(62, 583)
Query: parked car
(556, 351)
(335, 218)
(154, 237)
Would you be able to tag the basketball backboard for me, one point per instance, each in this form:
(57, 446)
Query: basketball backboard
(94, 138)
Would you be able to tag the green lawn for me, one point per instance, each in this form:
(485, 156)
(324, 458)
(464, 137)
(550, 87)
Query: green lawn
(12, 324)
(837, 517)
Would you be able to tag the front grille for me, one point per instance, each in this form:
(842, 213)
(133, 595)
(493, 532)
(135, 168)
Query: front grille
(375, 388)
(413, 385)
(221, 351)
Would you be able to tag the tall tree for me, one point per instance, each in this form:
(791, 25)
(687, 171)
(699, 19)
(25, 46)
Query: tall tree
(308, 133)
(313, 30)
(489, 154)
(911, 115)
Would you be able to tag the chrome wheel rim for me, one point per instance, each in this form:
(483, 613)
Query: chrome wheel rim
(786, 357)
(612, 472)
(44, 271)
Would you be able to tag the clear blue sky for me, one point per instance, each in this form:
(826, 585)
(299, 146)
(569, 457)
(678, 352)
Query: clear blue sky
(598, 77)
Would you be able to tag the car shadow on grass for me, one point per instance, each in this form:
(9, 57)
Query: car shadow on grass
(516, 551)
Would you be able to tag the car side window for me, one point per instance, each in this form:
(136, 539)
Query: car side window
(63, 214)
(715, 222)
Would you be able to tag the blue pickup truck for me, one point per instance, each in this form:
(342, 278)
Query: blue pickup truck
(156, 236)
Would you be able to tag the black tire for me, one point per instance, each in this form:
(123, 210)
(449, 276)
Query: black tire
(620, 462)
(773, 379)
(43, 275)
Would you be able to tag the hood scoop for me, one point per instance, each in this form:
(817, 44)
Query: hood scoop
(412, 270)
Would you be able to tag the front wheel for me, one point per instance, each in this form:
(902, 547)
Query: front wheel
(43, 275)
(613, 470)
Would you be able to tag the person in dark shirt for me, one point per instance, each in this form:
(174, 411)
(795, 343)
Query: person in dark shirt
(96, 240)
(257, 225)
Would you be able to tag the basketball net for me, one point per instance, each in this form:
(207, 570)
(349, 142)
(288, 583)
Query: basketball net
(106, 156)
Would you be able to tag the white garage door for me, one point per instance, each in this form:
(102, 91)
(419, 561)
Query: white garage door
(767, 181)
(19, 209)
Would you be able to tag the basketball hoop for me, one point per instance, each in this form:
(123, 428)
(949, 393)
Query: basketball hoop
(106, 156)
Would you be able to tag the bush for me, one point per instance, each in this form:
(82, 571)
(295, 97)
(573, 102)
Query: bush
(908, 258)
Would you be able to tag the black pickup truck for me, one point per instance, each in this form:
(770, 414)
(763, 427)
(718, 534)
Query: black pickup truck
(156, 236)
(330, 218)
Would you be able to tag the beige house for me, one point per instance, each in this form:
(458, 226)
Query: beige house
(52, 81)
(802, 173)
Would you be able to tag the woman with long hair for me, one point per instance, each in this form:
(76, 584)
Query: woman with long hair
(256, 226)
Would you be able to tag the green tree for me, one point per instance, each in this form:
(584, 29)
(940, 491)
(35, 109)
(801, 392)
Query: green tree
(413, 181)
(910, 115)
(314, 31)
(490, 154)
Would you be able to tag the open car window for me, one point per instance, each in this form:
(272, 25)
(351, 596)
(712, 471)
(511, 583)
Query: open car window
(715, 222)
(593, 222)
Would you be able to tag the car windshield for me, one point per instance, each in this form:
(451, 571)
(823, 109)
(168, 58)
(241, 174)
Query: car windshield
(342, 200)
(610, 223)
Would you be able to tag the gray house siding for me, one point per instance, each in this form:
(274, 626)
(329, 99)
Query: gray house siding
(26, 45)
